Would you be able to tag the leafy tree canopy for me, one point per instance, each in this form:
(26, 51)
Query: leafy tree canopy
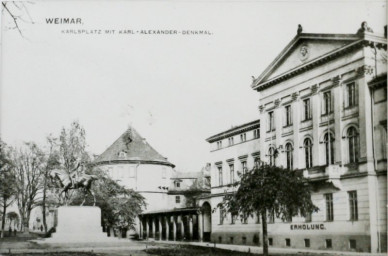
(119, 205)
(270, 189)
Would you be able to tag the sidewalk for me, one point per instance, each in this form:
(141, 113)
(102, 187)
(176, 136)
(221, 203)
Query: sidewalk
(272, 250)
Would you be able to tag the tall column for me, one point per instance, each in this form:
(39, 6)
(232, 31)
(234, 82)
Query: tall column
(153, 227)
(147, 227)
(167, 219)
(191, 227)
(160, 228)
(337, 99)
(174, 223)
(182, 227)
(200, 226)
(296, 121)
(315, 106)
(140, 227)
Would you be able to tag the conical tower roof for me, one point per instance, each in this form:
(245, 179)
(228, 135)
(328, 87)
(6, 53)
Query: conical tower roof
(131, 147)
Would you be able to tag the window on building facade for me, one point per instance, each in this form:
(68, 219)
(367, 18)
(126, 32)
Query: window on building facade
(353, 207)
(306, 109)
(221, 217)
(256, 134)
(307, 243)
(220, 178)
(329, 148)
(231, 169)
(233, 218)
(244, 167)
(178, 184)
(271, 217)
(328, 243)
(329, 207)
(352, 244)
(290, 156)
(243, 137)
(257, 218)
(308, 152)
(231, 141)
(326, 108)
(288, 115)
(244, 219)
(288, 218)
(178, 199)
(288, 242)
(257, 162)
(353, 144)
(272, 155)
(270, 241)
(308, 217)
(219, 144)
(350, 95)
(271, 121)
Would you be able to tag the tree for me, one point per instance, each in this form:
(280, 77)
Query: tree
(119, 206)
(270, 190)
(72, 150)
(7, 183)
(200, 186)
(28, 165)
(18, 12)
(13, 217)
(51, 161)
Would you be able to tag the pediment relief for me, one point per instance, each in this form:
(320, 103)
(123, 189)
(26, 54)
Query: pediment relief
(303, 52)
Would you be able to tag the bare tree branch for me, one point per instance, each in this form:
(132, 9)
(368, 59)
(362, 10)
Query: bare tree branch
(13, 17)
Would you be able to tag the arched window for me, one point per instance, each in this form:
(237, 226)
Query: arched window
(308, 152)
(272, 155)
(329, 148)
(290, 155)
(353, 144)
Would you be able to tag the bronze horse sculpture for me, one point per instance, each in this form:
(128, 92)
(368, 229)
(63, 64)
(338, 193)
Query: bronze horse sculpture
(67, 182)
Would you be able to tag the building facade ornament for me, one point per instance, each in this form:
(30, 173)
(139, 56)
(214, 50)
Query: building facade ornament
(365, 70)
(336, 80)
(277, 103)
(314, 89)
(261, 108)
(304, 52)
(294, 96)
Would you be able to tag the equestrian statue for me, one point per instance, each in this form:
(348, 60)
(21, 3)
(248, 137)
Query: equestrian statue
(74, 180)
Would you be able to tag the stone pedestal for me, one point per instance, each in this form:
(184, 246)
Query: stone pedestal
(78, 224)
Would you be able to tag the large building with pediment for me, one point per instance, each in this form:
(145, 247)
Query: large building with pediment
(323, 110)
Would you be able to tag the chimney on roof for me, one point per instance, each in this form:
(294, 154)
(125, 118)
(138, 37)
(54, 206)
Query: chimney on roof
(364, 28)
(300, 29)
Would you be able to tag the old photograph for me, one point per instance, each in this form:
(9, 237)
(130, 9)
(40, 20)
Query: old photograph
(195, 127)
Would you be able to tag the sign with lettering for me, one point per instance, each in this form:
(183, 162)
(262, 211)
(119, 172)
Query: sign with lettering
(307, 226)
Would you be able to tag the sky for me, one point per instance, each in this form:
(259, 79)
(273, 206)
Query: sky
(175, 90)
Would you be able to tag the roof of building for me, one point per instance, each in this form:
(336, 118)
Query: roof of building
(186, 175)
(131, 147)
(235, 130)
(342, 44)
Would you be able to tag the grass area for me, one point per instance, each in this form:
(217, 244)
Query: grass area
(189, 250)
(54, 254)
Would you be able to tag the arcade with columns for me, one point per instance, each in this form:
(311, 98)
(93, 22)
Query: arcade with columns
(184, 224)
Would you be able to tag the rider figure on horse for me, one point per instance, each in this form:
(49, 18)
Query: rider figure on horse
(74, 175)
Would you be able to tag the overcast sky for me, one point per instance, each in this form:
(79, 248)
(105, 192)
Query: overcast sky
(176, 90)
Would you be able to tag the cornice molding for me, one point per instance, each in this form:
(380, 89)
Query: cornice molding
(369, 40)
(113, 162)
(234, 131)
